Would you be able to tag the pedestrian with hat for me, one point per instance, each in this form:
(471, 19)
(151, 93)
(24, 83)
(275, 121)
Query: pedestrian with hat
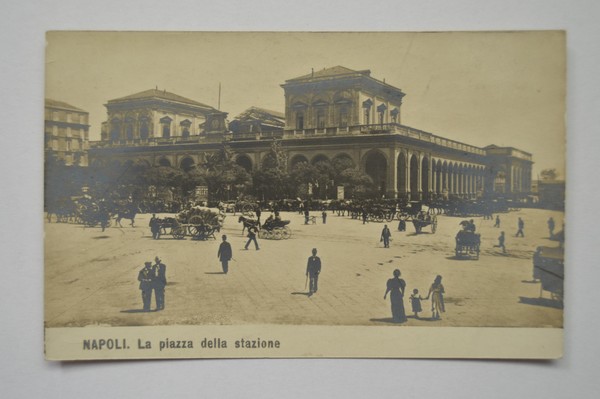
(160, 281)
(146, 279)
(224, 254)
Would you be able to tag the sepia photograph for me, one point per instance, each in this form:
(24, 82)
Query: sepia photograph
(295, 194)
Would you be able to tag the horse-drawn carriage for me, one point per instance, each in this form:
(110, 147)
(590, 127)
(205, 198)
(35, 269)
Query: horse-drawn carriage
(467, 244)
(419, 216)
(275, 229)
(92, 214)
(200, 223)
(423, 220)
(549, 269)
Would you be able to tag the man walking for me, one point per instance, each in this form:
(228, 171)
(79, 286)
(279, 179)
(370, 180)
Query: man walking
(324, 214)
(224, 254)
(159, 271)
(146, 279)
(252, 231)
(551, 226)
(313, 269)
(385, 236)
(154, 227)
(497, 224)
(521, 225)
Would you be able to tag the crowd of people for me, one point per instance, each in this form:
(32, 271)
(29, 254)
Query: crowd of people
(153, 276)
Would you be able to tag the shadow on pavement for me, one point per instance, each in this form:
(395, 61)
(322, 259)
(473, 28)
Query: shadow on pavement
(136, 311)
(422, 318)
(100, 237)
(549, 303)
(214, 273)
(301, 293)
(385, 320)
(467, 258)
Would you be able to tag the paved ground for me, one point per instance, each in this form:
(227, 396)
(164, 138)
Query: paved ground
(91, 276)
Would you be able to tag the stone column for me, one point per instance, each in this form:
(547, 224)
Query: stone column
(419, 177)
(433, 179)
(392, 176)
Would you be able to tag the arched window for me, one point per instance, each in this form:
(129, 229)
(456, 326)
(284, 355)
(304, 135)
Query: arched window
(144, 129)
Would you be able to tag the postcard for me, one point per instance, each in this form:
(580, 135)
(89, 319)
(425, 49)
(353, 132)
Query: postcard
(303, 194)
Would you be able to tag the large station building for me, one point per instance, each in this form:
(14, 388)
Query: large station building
(332, 113)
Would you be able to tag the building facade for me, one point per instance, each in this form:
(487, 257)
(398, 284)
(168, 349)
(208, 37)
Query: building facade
(66, 132)
(338, 113)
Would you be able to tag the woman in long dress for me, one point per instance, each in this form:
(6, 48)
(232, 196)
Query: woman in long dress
(395, 286)
(436, 291)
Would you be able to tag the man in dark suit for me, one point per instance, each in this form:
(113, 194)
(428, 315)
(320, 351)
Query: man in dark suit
(154, 227)
(146, 279)
(160, 281)
(224, 254)
(520, 225)
(313, 269)
(385, 236)
(258, 213)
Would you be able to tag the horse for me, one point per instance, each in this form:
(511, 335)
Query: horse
(126, 213)
(248, 223)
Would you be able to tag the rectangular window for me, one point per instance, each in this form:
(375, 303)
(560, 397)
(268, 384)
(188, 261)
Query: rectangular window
(68, 132)
(321, 119)
(68, 117)
(343, 117)
(300, 121)
(55, 130)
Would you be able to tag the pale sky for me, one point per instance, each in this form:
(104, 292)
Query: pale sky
(479, 88)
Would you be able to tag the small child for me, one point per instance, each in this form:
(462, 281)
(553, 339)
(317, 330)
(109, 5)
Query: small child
(415, 301)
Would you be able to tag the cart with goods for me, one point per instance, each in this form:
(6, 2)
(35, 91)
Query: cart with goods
(549, 269)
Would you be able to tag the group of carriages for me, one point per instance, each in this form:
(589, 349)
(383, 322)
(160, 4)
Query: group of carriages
(91, 213)
(379, 211)
(199, 223)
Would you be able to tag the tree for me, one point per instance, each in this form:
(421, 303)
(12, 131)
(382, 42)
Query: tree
(549, 174)
(272, 180)
(355, 181)
(223, 176)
